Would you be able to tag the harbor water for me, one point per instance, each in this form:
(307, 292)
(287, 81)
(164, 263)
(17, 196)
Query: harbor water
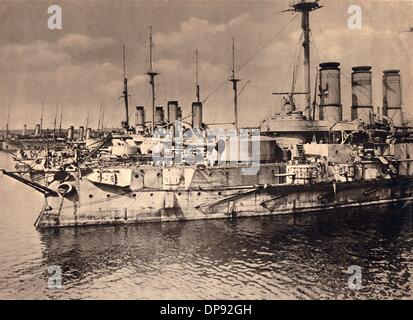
(290, 257)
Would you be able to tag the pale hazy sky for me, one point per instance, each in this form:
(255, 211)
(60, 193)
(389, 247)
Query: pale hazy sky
(80, 66)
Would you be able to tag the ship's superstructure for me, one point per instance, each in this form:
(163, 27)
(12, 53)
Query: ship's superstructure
(297, 161)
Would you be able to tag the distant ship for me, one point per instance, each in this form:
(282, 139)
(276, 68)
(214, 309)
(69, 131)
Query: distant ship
(297, 161)
(37, 139)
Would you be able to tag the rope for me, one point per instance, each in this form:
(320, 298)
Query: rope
(267, 43)
(325, 57)
(297, 65)
(252, 57)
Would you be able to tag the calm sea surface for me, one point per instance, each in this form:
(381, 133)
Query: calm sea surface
(294, 257)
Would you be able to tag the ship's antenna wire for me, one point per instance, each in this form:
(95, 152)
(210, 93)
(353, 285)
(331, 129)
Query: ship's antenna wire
(293, 62)
(252, 57)
(267, 43)
(315, 95)
(325, 57)
(296, 66)
(295, 72)
(292, 65)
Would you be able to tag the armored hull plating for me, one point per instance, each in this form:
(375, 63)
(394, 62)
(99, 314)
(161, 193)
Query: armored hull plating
(163, 206)
(201, 193)
(299, 161)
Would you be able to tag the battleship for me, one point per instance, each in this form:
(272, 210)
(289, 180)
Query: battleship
(303, 159)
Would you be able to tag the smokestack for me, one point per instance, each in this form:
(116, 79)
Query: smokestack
(392, 96)
(37, 130)
(81, 133)
(330, 92)
(24, 130)
(140, 119)
(159, 115)
(172, 112)
(70, 133)
(179, 115)
(196, 114)
(361, 94)
(88, 133)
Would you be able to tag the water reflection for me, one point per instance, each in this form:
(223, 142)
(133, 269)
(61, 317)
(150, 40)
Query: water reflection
(301, 256)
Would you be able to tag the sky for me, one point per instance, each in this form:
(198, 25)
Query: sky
(77, 68)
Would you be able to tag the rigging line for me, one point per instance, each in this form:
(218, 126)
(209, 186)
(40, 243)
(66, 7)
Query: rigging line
(267, 43)
(296, 69)
(252, 57)
(215, 90)
(325, 57)
(292, 63)
(316, 47)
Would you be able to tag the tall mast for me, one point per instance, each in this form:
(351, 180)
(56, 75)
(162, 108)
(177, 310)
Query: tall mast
(7, 123)
(87, 120)
(305, 25)
(305, 7)
(125, 92)
(100, 116)
(152, 74)
(197, 80)
(54, 122)
(234, 81)
(103, 116)
(41, 118)
(61, 119)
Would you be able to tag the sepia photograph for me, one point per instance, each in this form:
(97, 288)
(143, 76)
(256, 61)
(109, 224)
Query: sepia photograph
(225, 150)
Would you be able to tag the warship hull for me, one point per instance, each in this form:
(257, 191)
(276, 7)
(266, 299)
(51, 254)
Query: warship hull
(180, 205)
